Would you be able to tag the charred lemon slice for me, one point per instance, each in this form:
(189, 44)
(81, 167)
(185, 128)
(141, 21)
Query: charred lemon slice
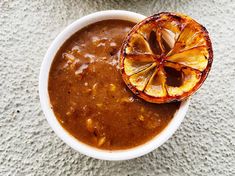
(166, 57)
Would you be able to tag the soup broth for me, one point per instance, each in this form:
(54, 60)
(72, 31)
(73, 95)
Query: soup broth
(89, 97)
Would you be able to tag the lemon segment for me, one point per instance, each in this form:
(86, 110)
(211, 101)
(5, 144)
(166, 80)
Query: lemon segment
(138, 45)
(134, 64)
(156, 85)
(195, 58)
(140, 80)
(190, 37)
(191, 78)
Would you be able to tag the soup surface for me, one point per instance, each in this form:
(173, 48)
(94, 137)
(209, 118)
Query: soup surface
(89, 97)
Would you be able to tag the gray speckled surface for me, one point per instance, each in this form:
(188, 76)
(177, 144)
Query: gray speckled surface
(203, 145)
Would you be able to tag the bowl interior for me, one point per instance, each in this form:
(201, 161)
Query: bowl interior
(52, 120)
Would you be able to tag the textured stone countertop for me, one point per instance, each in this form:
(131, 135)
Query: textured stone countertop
(203, 145)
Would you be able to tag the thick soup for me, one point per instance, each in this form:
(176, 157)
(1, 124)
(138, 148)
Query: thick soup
(89, 97)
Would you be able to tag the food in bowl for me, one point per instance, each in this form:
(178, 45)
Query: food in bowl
(89, 97)
(92, 102)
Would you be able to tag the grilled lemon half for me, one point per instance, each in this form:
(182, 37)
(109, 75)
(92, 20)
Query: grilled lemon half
(166, 57)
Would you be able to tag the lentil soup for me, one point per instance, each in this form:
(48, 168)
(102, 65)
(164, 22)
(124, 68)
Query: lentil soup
(89, 97)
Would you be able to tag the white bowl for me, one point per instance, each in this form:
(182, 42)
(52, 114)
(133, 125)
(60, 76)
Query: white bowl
(61, 132)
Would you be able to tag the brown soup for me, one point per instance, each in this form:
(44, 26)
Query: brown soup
(89, 97)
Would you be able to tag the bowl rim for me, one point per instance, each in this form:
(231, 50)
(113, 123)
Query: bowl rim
(77, 145)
